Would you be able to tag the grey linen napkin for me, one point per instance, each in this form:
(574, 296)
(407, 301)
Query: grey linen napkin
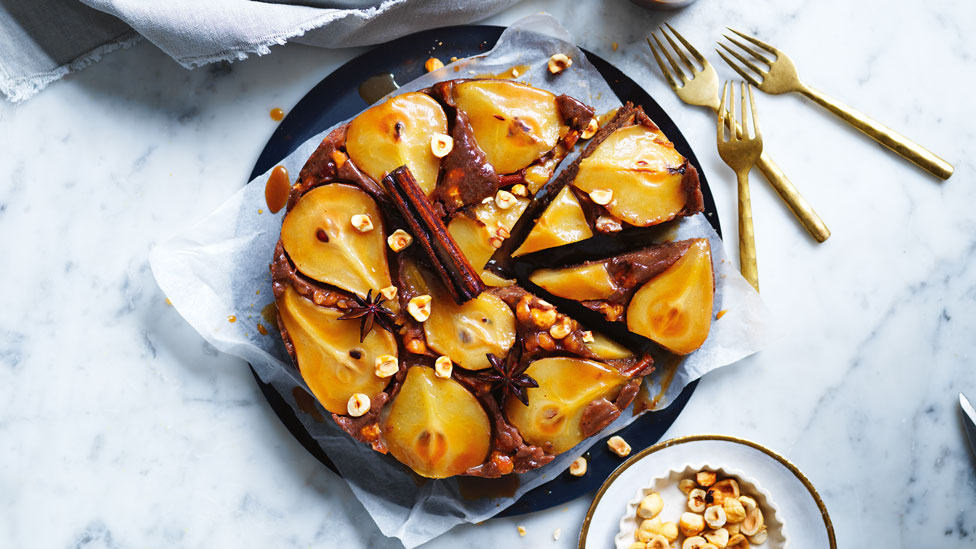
(42, 40)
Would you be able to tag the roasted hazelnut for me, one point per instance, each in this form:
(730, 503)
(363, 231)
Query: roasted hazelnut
(504, 199)
(443, 366)
(605, 224)
(738, 541)
(715, 516)
(543, 318)
(591, 129)
(562, 328)
(386, 366)
(419, 308)
(693, 542)
(706, 478)
(722, 490)
(734, 510)
(650, 505)
(601, 196)
(357, 405)
(619, 446)
(441, 144)
(578, 467)
(753, 523)
(399, 240)
(760, 538)
(691, 524)
(658, 542)
(390, 292)
(559, 62)
(362, 222)
(696, 500)
(718, 537)
(416, 346)
(686, 485)
(520, 190)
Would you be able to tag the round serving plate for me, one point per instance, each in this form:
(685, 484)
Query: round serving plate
(336, 98)
(797, 505)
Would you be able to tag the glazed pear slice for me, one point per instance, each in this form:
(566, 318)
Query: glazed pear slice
(331, 359)
(674, 308)
(435, 426)
(395, 133)
(642, 169)
(474, 236)
(319, 237)
(466, 333)
(581, 282)
(562, 223)
(608, 349)
(555, 411)
(513, 124)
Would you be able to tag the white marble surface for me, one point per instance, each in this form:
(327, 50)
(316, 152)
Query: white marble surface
(119, 427)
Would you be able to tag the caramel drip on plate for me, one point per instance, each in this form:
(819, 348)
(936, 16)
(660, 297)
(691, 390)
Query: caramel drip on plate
(277, 188)
(277, 114)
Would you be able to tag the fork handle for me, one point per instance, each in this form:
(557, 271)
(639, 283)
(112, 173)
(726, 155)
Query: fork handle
(908, 149)
(789, 193)
(747, 235)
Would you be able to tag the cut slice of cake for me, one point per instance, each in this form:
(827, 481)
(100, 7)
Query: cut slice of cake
(662, 292)
(629, 175)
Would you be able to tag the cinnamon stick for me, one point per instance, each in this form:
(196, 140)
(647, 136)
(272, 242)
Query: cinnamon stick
(461, 279)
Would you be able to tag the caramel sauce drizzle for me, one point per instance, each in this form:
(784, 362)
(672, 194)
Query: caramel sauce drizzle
(276, 189)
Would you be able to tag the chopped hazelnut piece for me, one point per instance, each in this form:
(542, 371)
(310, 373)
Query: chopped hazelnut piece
(737, 541)
(658, 542)
(433, 64)
(390, 292)
(522, 531)
(399, 240)
(718, 537)
(505, 199)
(601, 196)
(691, 524)
(588, 337)
(443, 366)
(419, 307)
(591, 129)
(619, 446)
(386, 366)
(543, 318)
(562, 328)
(650, 506)
(559, 62)
(555, 534)
(715, 516)
(760, 538)
(362, 222)
(520, 190)
(706, 478)
(578, 467)
(687, 485)
(358, 405)
(441, 144)
(605, 224)
(734, 510)
(496, 242)
(696, 500)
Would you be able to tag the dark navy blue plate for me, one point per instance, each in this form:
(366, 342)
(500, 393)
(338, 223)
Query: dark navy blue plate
(336, 98)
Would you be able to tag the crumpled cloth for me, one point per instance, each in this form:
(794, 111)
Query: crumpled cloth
(43, 40)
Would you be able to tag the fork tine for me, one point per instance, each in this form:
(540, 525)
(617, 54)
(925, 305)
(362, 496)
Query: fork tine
(664, 69)
(674, 65)
(751, 64)
(755, 115)
(752, 79)
(701, 58)
(756, 41)
(721, 113)
(732, 130)
(681, 53)
(743, 113)
(752, 51)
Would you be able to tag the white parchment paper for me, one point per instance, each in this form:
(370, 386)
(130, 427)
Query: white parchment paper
(219, 267)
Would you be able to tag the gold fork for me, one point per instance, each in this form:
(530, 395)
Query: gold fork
(741, 152)
(782, 78)
(700, 87)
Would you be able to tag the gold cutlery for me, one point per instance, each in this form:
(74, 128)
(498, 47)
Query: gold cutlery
(781, 77)
(741, 152)
(699, 87)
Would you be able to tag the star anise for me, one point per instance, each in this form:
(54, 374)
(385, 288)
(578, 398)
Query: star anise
(370, 311)
(508, 376)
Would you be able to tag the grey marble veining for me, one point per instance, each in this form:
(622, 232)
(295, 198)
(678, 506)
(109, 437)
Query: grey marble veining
(121, 428)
